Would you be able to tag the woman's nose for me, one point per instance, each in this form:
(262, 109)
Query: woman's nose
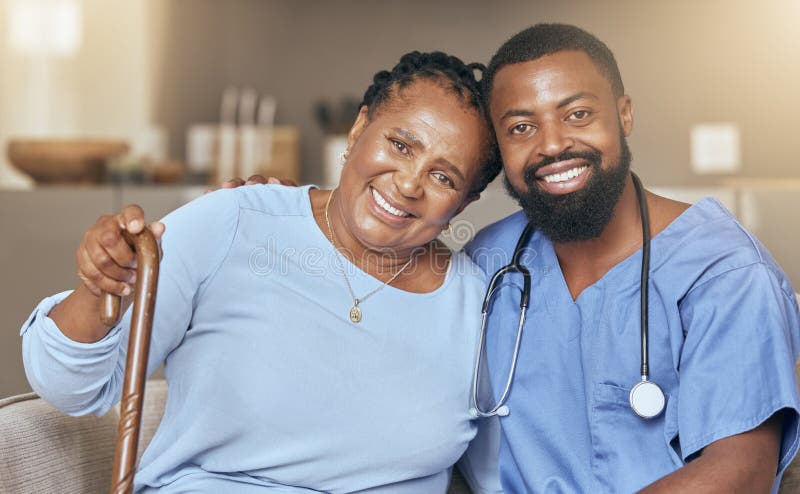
(409, 183)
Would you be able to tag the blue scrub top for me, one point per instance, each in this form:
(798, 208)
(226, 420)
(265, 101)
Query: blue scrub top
(724, 337)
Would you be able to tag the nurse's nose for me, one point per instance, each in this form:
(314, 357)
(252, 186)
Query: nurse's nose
(553, 139)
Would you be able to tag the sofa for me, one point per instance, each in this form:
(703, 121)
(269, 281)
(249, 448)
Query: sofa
(43, 451)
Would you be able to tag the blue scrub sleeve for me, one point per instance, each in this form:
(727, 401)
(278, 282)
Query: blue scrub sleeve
(79, 378)
(737, 367)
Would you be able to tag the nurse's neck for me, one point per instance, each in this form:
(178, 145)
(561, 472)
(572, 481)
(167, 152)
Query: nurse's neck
(585, 262)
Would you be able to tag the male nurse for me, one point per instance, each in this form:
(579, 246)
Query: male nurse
(723, 319)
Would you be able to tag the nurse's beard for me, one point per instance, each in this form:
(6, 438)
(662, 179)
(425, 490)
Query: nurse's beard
(579, 215)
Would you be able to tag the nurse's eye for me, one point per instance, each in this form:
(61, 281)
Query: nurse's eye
(579, 115)
(443, 179)
(400, 146)
(521, 128)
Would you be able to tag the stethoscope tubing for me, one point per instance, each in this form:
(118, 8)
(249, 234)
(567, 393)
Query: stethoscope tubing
(515, 266)
(644, 287)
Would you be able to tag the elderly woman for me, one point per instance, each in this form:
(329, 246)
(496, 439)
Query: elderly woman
(313, 341)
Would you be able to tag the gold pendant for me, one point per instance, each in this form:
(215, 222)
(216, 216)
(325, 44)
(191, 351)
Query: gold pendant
(355, 314)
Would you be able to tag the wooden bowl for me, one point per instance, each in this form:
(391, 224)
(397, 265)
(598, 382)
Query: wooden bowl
(64, 160)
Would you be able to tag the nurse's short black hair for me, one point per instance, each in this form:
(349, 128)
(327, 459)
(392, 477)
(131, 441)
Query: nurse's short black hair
(453, 75)
(545, 39)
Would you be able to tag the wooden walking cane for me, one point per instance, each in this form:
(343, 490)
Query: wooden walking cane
(147, 257)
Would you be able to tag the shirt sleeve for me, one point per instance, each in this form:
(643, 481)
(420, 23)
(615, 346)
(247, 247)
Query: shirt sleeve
(479, 463)
(80, 378)
(737, 365)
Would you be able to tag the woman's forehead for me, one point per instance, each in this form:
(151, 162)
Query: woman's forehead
(430, 101)
(437, 114)
(423, 91)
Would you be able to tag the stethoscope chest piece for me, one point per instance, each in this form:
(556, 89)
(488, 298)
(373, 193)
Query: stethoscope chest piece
(647, 399)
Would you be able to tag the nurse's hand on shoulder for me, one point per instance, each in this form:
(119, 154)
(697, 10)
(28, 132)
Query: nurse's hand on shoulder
(106, 261)
(254, 180)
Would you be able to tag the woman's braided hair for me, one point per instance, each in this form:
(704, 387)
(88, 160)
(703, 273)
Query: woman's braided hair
(455, 76)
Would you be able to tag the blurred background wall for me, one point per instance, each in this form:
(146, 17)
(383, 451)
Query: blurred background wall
(167, 62)
(146, 70)
(683, 61)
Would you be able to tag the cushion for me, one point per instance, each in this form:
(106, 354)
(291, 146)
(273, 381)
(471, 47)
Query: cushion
(43, 450)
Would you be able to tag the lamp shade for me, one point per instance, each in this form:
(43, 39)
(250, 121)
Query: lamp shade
(45, 27)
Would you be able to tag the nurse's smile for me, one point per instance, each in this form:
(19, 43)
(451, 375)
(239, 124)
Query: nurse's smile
(563, 177)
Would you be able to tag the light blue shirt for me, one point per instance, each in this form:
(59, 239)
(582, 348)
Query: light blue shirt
(270, 383)
(724, 337)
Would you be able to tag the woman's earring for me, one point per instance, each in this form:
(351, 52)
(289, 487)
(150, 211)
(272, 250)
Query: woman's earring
(343, 157)
(447, 230)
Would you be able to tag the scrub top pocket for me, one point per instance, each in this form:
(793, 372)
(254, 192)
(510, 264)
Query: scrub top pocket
(628, 452)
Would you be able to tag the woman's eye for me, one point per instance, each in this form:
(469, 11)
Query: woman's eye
(520, 128)
(443, 179)
(400, 146)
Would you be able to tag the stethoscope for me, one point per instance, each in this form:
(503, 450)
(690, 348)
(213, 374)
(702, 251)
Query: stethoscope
(646, 397)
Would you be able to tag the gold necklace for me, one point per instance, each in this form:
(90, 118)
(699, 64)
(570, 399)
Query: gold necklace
(355, 310)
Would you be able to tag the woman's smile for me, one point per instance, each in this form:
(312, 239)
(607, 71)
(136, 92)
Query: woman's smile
(388, 206)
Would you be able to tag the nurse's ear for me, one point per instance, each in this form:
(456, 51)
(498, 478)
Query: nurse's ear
(625, 112)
